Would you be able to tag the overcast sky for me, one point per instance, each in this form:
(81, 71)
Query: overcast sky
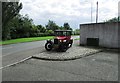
(74, 12)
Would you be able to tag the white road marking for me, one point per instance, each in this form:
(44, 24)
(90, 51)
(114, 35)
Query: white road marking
(16, 62)
(7, 47)
(6, 54)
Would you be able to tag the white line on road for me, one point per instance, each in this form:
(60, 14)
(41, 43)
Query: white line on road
(6, 54)
(7, 47)
(16, 52)
(16, 62)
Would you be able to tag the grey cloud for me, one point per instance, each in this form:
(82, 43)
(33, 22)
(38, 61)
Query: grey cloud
(44, 12)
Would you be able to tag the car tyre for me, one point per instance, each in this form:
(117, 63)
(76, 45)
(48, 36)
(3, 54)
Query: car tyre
(48, 46)
(70, 45)
(64, 48)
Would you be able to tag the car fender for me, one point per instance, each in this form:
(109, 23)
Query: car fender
(50, 41)
(71, 40)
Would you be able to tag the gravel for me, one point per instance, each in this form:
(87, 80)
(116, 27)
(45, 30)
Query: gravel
(75, 52)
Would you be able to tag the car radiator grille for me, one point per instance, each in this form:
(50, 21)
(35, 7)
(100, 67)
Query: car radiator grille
(55, 41)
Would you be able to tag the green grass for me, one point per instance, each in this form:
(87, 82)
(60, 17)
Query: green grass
(21, 40)
(77, 39)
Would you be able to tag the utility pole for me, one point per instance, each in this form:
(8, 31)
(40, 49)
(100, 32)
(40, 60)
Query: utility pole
(97, 13)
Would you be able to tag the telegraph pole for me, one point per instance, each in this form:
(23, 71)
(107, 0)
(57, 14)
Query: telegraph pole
(97, 13)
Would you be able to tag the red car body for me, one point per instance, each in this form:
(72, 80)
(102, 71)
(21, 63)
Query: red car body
(62, 40)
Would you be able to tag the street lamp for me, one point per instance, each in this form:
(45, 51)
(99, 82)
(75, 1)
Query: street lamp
(97, 13)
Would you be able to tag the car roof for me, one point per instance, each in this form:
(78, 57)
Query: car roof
(63, 30)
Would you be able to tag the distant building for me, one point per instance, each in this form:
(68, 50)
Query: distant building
(100, 34)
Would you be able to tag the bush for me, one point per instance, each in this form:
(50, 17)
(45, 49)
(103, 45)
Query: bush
(40, 34)
(50, 32)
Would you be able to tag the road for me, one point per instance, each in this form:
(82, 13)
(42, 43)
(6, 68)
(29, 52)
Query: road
(16, 52)
(101, 66)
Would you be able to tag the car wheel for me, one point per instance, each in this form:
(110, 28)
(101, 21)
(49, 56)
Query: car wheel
(64, 48)
(48, 46)
(70, 45)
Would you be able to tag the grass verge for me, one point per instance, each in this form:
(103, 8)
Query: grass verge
(77, 39)
(21, 40)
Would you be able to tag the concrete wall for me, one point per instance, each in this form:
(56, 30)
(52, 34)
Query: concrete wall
(106, 32)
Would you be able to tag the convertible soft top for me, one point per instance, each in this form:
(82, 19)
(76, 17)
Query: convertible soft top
(63, 30)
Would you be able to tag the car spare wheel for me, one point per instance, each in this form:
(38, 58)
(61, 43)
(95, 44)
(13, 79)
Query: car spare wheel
(48, 46)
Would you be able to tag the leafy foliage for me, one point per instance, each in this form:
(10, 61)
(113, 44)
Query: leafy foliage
(41, 28)
(76, 32)
(115, 19)
(16, 26)
(67, 26)
(51, 25)
(20, 26)
(9, 11)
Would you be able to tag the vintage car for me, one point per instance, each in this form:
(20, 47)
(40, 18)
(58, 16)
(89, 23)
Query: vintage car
(62, 41)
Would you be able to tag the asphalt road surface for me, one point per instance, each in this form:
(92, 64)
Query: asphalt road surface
(101, 66)
(16, 52)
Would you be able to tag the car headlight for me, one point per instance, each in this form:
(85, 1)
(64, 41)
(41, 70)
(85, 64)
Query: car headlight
(60, 40)
(64, 40)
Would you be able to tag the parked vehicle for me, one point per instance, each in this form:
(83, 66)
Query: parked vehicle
(62, 41)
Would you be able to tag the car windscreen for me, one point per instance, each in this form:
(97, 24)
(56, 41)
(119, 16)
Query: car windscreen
(62, 33)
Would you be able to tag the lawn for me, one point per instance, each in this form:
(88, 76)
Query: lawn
(20, 40)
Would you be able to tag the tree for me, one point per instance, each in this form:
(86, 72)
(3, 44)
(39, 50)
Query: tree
(67, 26)
(41, 28)
(77, 32)
(25, 25)
(20, 26)
(50, 32)
(61, 28)
(9, 11)
(51, 25)
(14, 25)
(115, 19)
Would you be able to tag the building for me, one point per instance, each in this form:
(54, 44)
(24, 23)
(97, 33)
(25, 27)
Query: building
(100, 34)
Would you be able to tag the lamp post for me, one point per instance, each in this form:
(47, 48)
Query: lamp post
(97, 13)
